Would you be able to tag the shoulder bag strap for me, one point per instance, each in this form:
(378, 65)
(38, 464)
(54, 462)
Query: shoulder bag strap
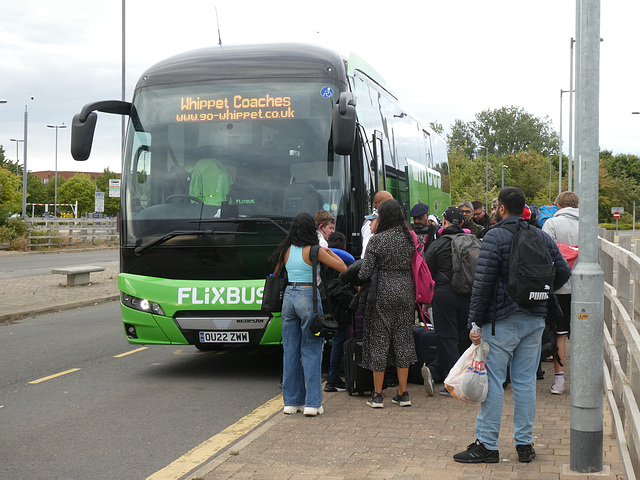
(313, 256)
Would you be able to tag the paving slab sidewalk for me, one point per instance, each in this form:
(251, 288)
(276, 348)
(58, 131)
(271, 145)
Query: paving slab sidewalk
(354, 441)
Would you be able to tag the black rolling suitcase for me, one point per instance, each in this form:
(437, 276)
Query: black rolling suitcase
(426, 350)
(359, 380)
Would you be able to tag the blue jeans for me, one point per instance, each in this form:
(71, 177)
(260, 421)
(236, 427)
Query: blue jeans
(302, 360)
(337, 352)
(517, 342)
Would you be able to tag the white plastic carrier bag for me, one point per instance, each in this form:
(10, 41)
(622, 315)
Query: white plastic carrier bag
(467, 379)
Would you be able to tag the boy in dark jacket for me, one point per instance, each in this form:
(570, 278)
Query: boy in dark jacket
(516, 339)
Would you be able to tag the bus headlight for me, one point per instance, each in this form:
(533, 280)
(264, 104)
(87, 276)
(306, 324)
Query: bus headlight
(141, 304)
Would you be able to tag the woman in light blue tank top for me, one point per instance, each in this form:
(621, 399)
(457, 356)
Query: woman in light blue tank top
(302, 359)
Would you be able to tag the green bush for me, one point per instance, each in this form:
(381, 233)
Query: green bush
(14, 232)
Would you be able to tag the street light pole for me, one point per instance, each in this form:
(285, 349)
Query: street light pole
(560, 155)
(17, 140)
(24, 167)
(55, 187)
(571, 92)
(503, 167)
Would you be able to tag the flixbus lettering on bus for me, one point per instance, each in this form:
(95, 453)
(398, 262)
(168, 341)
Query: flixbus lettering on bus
(222, 151)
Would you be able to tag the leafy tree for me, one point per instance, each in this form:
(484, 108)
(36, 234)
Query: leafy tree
(78, 188)
(111, 204)
(11, 192)
(621, 164)
(462, 138)
(503, 131)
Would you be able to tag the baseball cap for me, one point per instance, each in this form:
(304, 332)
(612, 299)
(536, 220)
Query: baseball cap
(419, 209)
(434, 218)
(526, 213)
(454, 215)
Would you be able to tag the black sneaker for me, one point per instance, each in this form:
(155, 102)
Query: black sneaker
(477, 453)
(402, 400)
(526, 453)
(444, 392)
(338, 386)
(376, 400)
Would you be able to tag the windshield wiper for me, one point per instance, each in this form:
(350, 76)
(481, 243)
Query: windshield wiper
(243, 220)
(183, 233)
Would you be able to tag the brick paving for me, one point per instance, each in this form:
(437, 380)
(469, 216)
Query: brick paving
(352, 440)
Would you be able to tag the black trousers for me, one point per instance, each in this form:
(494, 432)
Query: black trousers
(450, 315)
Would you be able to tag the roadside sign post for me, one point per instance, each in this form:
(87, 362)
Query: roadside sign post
(99, 208)
(617, 212)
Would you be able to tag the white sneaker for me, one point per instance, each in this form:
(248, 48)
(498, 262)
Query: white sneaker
(313, 411)
(429, 386)
(557, 389)
(291, 409)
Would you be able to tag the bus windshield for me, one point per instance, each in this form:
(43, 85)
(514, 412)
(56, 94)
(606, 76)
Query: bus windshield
(205, 152)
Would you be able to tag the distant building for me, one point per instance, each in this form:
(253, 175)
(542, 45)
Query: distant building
(46, 175)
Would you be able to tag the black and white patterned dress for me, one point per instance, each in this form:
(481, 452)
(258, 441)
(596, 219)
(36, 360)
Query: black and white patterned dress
(388, 336)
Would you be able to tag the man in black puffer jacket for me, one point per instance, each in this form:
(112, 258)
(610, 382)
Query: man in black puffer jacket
(517, 338)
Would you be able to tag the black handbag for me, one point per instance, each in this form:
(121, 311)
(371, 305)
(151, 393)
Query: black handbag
(326, 325)
(273, 293)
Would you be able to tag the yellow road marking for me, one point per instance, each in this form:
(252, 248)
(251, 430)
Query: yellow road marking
(44, 379)
(130, 352)
(209, 448)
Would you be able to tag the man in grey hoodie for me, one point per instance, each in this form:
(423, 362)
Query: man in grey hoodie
(563, 227)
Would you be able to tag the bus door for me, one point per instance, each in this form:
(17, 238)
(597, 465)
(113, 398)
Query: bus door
(378, 160)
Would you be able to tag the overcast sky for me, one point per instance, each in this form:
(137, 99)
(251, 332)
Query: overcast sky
(445, 60)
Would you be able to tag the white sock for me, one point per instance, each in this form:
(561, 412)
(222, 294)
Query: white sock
(559, 379)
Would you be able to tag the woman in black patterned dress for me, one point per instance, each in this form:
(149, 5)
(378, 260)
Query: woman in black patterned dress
(388, 336)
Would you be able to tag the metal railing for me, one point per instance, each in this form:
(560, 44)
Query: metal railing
(48, 232)
(621, 269)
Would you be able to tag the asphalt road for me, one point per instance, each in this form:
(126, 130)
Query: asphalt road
(115, 417)
(20, 265)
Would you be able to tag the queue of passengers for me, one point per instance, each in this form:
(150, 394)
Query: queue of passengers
(390, 309)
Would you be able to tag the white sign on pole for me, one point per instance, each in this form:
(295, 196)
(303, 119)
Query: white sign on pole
(620, 210)
(114, 187)
(99, 202)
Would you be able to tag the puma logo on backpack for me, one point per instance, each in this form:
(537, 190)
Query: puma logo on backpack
(465, 251)
(531, 268)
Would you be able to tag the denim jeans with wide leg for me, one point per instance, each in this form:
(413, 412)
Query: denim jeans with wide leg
(302, 360)
(517, 341)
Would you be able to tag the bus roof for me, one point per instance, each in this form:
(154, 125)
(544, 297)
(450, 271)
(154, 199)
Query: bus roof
(248, 61)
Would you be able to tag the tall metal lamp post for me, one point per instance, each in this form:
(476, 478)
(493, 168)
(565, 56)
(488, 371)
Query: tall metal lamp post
(55, 187)
(17, 140)
(503, 167)
(486, 176)
(24, 167)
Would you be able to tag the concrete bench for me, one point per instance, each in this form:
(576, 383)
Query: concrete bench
(77, 275)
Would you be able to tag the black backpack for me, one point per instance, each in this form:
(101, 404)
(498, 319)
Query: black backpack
(531, 268)
(465, 251)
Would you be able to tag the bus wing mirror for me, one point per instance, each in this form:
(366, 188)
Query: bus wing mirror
(84, 124)
(82, 135)
(344, 124)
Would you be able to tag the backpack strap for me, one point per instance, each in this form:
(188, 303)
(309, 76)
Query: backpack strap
(513, 228)
(313, 256)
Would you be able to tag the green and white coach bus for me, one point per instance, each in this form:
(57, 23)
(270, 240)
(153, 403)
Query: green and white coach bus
(224, 147)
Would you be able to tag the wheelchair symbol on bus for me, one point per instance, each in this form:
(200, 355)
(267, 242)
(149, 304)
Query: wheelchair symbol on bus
(326, 92)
